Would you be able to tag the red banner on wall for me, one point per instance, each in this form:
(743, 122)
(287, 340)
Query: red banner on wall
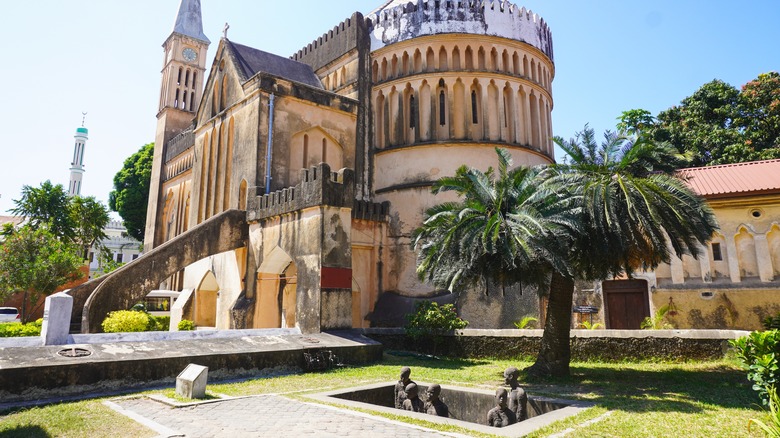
(336, 278)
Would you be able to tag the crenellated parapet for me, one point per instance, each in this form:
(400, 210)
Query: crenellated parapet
(332, 44)
(429, 17)
(370, 211)
(319, 186)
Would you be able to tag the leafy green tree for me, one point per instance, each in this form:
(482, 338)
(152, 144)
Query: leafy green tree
(634, 121)
(720, 124)
(759, 104)
(89, 218)
(631, 210)
(48, 204)
(131, 191)
(35, 262)
(704, 123)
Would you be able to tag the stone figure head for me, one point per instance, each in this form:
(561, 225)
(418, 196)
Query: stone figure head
(405, 373)
(510, 376)
(433, 391)
(501, 398)
(411, 391)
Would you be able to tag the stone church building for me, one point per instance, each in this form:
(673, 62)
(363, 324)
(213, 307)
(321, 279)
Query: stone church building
(332, 152)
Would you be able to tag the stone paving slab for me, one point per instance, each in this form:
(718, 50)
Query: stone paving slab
(269, 416)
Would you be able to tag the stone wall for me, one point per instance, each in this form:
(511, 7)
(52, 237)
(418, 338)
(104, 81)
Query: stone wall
(610, 345)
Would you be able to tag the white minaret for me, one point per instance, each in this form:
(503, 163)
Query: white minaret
(77, 166)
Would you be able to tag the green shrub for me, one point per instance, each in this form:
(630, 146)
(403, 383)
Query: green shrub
(161, 323)
(15, 329)
(759, 352)
(771, 429)
(186, 325)
(122, 321)
(527, 322)
(771, 322)
(431, 319)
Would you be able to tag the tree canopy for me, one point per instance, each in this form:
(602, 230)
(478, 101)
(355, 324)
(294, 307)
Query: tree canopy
(720, 124)
(48, 204)
(609, 210)
(72, 219)
(130, 196)
(35, 262)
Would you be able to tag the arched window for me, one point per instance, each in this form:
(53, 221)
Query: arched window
(176, 99)
(324, 150)
(474, 117)
(442, 106)
(194, 79)
(187, 79)
(184, 100)
(412, 112)
(443, 60)
(429, 60)
(223, 98)
(469, 58)
(178, 78)
(192, 101)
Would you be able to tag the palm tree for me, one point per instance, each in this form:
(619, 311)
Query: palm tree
(505, 230)
(632, 211)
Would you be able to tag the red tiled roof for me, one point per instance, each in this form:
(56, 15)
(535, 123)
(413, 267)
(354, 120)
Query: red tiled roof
(727, 180)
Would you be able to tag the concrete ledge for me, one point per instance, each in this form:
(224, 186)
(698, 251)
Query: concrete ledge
(30, 373)
(585, 344)
(106, 338)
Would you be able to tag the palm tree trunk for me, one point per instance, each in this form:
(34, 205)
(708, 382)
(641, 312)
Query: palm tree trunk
(555, 352)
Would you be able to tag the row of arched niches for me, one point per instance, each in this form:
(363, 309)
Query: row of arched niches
(450, 89)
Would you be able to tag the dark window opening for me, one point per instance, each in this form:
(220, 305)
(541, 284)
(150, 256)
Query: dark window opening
(474, 118)
(442, 120)
(716, 254)
(412, 112)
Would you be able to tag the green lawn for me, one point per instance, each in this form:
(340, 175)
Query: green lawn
(694, 399)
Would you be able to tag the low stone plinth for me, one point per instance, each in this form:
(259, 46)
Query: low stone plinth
(44, 372)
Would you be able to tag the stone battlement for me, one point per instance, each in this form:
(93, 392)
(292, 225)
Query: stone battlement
(480, 17)
(332, 44)
(318, 186)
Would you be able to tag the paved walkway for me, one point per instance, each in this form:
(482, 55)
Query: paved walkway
(266, 416)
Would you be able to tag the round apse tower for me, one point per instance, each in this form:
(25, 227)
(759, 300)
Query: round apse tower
(452, 80)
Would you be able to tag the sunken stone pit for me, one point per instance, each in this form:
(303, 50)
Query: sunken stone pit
(468, 407)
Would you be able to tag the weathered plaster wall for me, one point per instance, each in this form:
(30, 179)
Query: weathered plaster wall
(739, 308)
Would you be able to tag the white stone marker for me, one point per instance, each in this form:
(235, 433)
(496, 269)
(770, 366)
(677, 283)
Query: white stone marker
(191, 383)
(56, 319)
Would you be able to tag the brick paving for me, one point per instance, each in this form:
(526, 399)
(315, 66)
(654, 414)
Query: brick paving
(269, 416)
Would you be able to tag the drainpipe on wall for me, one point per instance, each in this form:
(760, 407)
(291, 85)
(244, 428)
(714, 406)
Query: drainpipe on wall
(269, 152)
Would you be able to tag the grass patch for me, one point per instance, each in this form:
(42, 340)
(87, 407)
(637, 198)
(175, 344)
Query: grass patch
(659, 399)
(88, 418)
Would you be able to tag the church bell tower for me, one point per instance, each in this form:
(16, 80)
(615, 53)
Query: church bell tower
(184, 66)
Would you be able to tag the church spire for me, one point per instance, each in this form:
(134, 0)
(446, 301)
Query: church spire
(189, 22)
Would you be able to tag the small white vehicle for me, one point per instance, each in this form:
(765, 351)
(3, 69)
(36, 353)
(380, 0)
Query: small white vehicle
(9, 314)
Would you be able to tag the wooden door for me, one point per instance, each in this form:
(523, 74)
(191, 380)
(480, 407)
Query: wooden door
(627, 303)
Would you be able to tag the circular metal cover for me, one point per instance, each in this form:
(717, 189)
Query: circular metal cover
(74, 352)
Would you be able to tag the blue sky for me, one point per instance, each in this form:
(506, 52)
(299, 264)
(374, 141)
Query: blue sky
(62, 57)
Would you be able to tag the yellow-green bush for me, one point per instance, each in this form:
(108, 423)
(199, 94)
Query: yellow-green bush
(14, 329)
(186, 325)
(121, 321)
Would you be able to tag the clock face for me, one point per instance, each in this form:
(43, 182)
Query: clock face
(189, 54)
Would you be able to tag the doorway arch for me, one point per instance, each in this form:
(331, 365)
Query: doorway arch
(205, 309)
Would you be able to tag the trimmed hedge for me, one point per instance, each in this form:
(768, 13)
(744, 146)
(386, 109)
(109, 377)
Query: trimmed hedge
(15, 329)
